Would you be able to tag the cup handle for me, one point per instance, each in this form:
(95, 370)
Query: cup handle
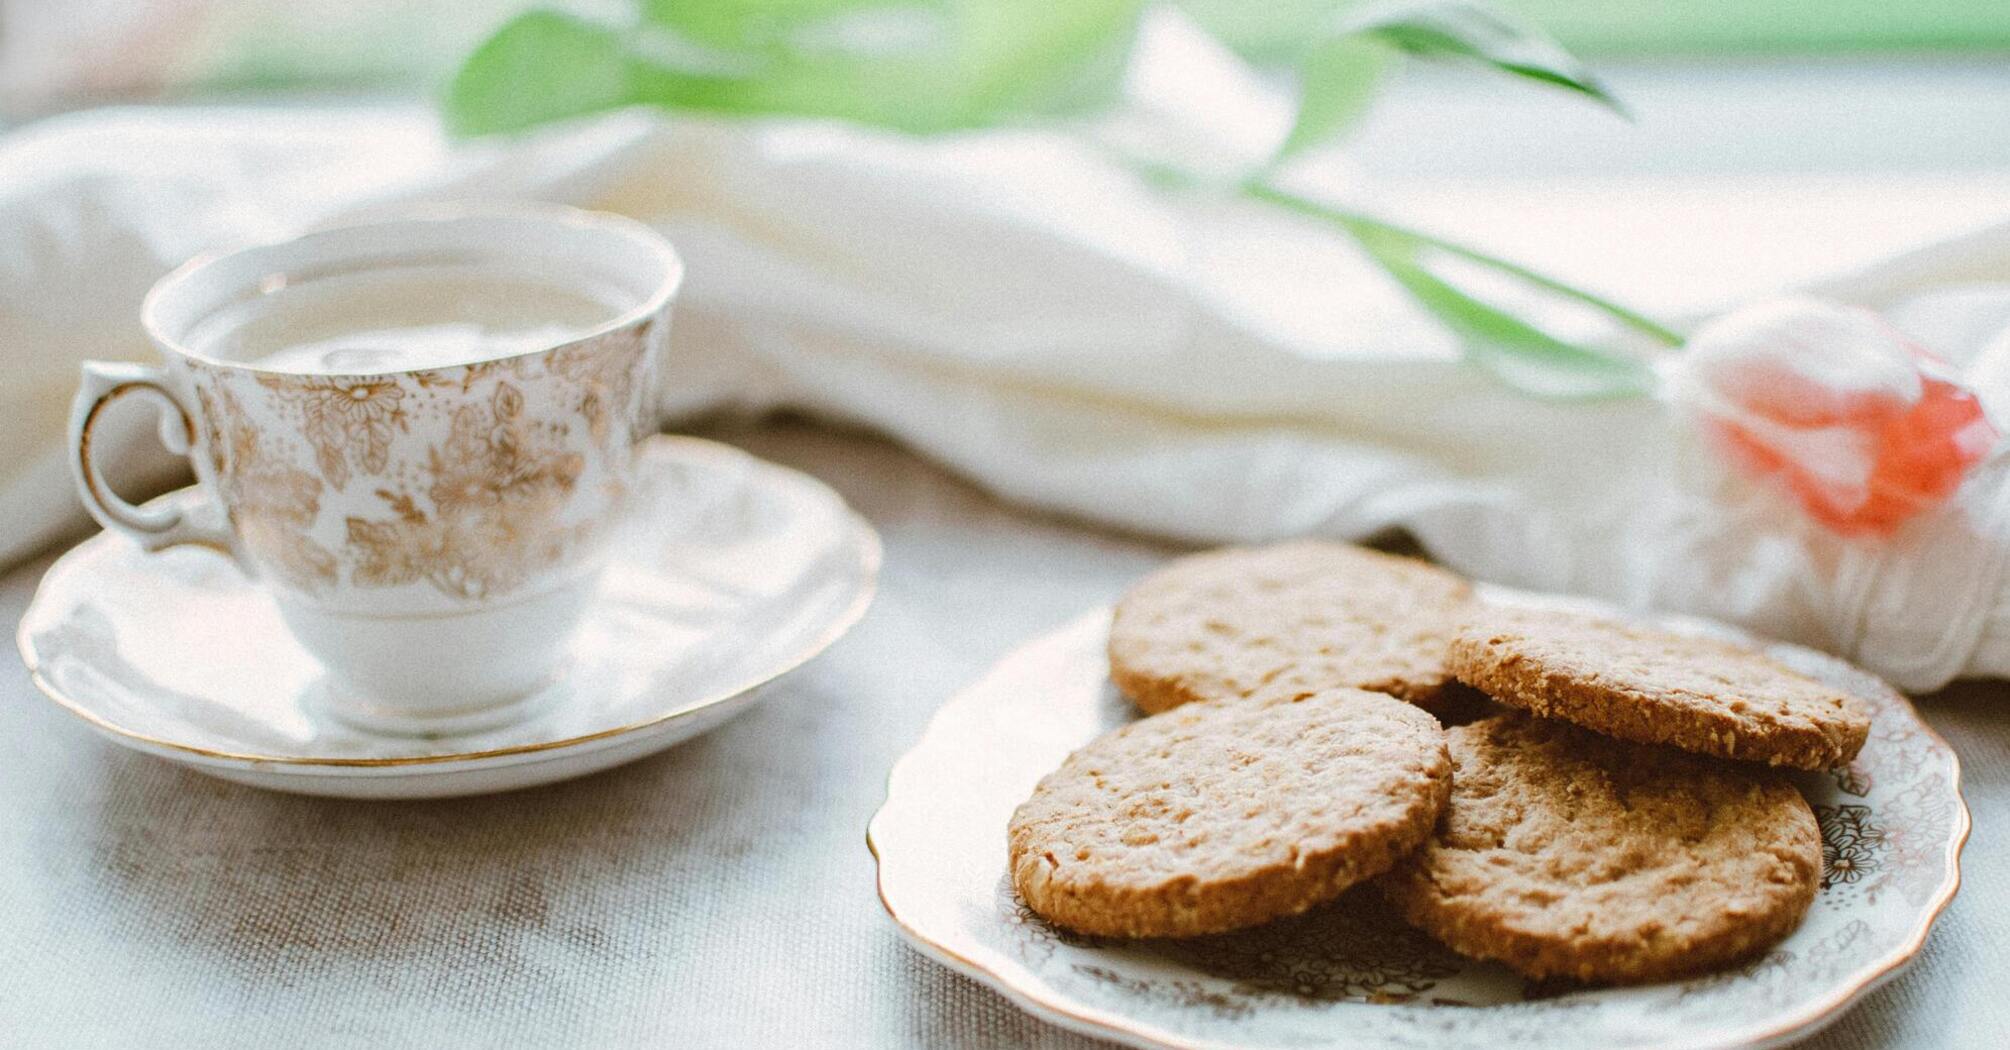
(153, 527)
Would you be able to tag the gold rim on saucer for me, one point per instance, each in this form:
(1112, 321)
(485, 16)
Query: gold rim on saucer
(870, 557)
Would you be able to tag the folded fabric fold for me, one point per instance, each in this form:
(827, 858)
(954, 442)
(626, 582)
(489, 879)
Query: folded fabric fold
(1016, 306)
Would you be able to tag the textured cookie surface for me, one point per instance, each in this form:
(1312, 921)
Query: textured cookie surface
(1228, 623)
(1650, 686)
(1566, 854)
(1218, 816)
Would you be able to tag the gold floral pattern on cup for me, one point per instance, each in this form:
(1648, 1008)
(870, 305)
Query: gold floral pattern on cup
(277, 502)
(474, 512)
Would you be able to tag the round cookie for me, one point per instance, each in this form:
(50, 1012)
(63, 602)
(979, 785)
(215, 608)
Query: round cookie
(1654, 687)
(1306, 615)
(1219, 816)
(1566, 854)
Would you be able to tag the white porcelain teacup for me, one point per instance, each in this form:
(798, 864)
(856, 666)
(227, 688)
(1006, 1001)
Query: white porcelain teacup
(416, 433)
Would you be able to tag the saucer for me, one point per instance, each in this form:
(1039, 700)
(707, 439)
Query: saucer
(729, 572)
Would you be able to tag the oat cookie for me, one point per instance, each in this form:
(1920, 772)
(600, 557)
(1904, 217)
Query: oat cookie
(1306, 614)
(1640, 684)
(1567, 854)
(1223, 815)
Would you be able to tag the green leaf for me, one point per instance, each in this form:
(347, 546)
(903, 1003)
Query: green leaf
(768, 24)
(1266, 32)
(1514, 351)
(913, 65)
(1462, 29)
(1640, 323)
(1340, 60)
(1337, 82)
(539, 67)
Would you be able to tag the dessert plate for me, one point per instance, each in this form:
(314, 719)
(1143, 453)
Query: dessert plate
(1349, 974)
(729, 572)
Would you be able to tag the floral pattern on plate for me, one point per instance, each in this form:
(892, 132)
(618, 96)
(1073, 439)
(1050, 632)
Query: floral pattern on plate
(1350, 974)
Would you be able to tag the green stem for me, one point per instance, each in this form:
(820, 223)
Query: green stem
(1367, 229)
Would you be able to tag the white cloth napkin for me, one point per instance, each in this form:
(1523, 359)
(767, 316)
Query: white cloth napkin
(1017, 307)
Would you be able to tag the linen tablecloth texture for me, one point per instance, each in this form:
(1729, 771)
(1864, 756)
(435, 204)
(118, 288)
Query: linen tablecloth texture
(1020, 308)
(716, 896)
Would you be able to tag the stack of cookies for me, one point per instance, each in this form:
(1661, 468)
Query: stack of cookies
(1619, 820)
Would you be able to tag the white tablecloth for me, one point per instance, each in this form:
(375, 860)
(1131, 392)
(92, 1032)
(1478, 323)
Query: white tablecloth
(719, 895)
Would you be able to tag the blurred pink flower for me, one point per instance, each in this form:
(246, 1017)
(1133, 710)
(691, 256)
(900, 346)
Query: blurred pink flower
(1863, 426)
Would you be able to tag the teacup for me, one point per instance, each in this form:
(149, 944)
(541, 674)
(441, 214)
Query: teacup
(415, 433)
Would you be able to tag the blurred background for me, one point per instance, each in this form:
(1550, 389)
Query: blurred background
(57, 54)
(1767, 85)
(1817, 135)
